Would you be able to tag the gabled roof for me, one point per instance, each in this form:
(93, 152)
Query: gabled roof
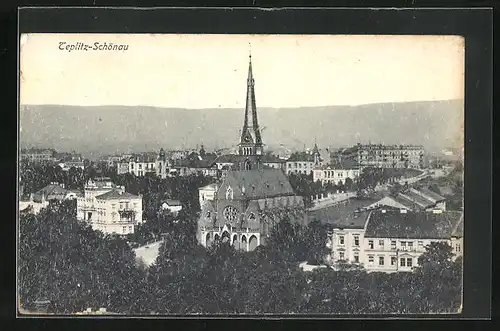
(433, 195)
(171, 202)
(261, 183)
(116, 195)
(415, 198)
(415, 225)
(50, 192)
(301, 157)
(229, 158)
(343, 214)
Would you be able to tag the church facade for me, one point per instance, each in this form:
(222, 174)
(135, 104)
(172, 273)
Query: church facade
(251, 199)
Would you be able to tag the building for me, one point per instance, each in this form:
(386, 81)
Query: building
(67, 165)
(389, 156)
(141, 164)
(108, 208)
(303, 162)
(37, 155)
(163, 165)
(395, 239)
(251, 198)
(207, 193)
(457, 238)
(173, 206)
(35, 202)
(415, 200)
(54, 191)
(200, 163)
(345, 222)
(336, 175)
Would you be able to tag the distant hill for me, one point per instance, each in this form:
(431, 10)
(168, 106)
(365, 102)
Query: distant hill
(107, 129)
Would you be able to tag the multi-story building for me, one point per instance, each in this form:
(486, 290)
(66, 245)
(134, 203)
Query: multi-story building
(36, 155)
(304, 163)
(394, 239)
(108, 208)
(390, 156)
(138, 164)
(335, 175)
(381, 238)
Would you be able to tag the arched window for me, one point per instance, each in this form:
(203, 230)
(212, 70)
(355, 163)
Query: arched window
(248, 165)
(229, 193)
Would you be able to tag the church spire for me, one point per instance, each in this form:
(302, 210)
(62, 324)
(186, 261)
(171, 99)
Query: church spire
(251, 140)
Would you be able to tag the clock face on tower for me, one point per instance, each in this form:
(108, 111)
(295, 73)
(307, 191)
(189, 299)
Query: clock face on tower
(230, 214)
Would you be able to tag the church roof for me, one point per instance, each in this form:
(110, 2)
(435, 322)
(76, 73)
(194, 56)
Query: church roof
(262, 183)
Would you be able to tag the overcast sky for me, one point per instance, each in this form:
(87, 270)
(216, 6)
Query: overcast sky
(209, 71)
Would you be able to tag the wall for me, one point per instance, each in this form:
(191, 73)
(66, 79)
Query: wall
(397, 248)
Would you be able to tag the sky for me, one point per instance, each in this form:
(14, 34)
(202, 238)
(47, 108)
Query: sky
(209, 71)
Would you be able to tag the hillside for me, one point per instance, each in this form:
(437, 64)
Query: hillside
(107, 129)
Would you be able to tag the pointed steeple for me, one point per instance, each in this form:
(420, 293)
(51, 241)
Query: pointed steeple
(251, 141)
(251, 131)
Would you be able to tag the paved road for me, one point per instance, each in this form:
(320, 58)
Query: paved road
(148, 253)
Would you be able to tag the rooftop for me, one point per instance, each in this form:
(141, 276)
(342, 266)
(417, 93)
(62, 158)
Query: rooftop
(50, 192)
(261, 183)
(117, 195)
(171, 202)
(415, 225)
(346, 214)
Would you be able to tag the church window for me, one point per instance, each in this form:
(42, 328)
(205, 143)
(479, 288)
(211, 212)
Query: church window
(229, 193)
(208, 214)
(251, 217)
(230, 213)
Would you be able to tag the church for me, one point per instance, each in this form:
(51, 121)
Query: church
(252, 198)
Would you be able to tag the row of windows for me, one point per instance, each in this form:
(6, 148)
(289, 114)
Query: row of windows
(403, 262)
(403, 244)
(300, 165)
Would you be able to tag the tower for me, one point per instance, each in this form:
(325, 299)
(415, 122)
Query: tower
(317, 155)
(250, 146)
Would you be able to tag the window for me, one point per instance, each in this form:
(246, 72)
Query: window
(370, 259)
(130, 228)
(394, 260)
(420, 244)
(381, 243)
(341, 255)
(393, 244)
(410, 244)
(208, 214)
(403, 262)
(356, 240)
(409, 262)
(341, 240)
(403, 244)
(380, 260)
(370, 244)
(457, 247)
(229, 193)
(124, 229)
(356, 258)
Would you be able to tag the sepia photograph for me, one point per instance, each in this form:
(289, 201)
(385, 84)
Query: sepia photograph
(240, 174)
